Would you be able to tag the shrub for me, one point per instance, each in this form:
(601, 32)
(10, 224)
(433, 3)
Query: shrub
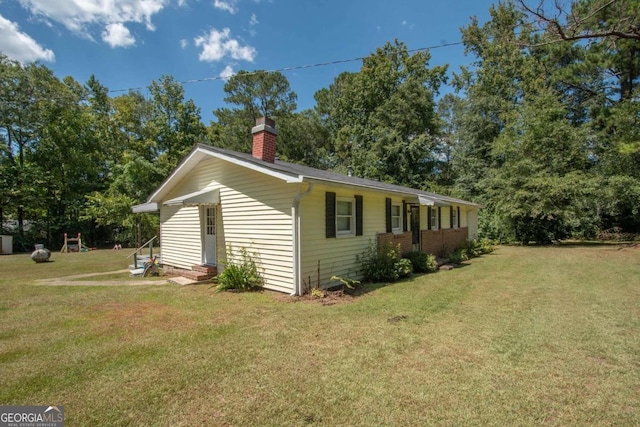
(472, 249)
(240, 273)
(456, 257)
(403, 268)
(383, 265)
(378, 266)
(422, 262)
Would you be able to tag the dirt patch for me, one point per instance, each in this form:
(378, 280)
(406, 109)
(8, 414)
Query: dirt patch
(135, 317)
(329, 298)
(73, 280)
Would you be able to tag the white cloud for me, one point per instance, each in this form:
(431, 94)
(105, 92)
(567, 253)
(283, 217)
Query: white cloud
(117, 35)
(253, 20)
(227, 72)
(20, 46)
(228, 5)
(184, 43)
(218, 44)
(79, 15)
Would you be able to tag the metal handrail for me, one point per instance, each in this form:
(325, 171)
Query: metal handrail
(142, 247)
(135, 253)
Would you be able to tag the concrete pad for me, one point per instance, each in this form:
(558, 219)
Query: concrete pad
(182, 280)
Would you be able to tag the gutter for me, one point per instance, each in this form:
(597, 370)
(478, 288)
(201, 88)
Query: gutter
(295, 218)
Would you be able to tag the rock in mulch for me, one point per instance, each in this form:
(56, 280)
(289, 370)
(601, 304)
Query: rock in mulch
(446, 267)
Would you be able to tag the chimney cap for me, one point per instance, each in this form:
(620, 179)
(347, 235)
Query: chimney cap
(265, 121)
(264, 124)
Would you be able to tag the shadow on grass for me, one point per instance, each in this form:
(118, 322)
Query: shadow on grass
(583, 244)
(366, 288)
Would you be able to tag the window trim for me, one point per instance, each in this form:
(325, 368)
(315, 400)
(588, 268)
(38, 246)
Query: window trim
(352, 221)
(397, 217)
(433, 220)
(455, 220)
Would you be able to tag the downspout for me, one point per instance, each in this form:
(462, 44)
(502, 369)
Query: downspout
(295, 217)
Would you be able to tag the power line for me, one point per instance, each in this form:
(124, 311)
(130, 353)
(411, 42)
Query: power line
(293, 68)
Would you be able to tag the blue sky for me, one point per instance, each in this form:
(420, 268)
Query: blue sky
(128, 43)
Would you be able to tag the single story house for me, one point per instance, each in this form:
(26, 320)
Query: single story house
(305, 224)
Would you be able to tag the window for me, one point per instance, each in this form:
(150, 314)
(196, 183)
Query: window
(454, 217)
(396, 218)
(344, 216)
(434, 218)
(210, 214)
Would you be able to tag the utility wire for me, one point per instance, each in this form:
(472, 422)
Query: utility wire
(292, 68)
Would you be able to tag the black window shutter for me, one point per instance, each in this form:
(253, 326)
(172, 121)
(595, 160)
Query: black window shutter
(330, 214)
(429, 217)
(358, 215)
(458, 224)
(451, 217)
(388, 213)
(439, 217)
(404, 216)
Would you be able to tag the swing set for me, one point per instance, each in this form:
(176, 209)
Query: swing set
(74, 244)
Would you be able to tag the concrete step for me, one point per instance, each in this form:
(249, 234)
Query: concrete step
(136, 272)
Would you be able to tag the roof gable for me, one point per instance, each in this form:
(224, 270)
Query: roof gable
(291, 173)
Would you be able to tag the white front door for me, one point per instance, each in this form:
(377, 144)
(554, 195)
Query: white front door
(209, 233)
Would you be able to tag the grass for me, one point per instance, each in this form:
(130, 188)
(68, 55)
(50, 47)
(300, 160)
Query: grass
(524, 336)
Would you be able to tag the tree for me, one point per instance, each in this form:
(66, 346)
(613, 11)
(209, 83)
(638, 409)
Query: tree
(586, 20)
(538, 133)
(175, 123)
(382, 119)
(449, 111)
(303, 139)
(255, 94)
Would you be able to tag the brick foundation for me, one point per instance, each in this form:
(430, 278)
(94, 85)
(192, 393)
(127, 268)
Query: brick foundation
(197, 272)
(436, 242)
(441, 242)
(404, 239)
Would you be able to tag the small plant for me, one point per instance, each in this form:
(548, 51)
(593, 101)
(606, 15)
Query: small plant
(347, 283)
(317, 293)
(240, 273)
(422, 262)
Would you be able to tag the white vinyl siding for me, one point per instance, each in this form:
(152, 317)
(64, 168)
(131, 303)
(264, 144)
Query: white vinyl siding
(471, 216)
(180, 236)
(446, 217)
(335, 257)
(254, 213)
(463, 216)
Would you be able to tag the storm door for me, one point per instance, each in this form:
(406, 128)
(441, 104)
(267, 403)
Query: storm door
(415, 226)
(209, 233)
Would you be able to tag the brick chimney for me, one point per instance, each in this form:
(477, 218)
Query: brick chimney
(264, 139)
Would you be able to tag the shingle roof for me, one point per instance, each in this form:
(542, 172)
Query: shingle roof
(305, 173)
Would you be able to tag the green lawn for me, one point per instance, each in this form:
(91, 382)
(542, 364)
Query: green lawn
(524, 336)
